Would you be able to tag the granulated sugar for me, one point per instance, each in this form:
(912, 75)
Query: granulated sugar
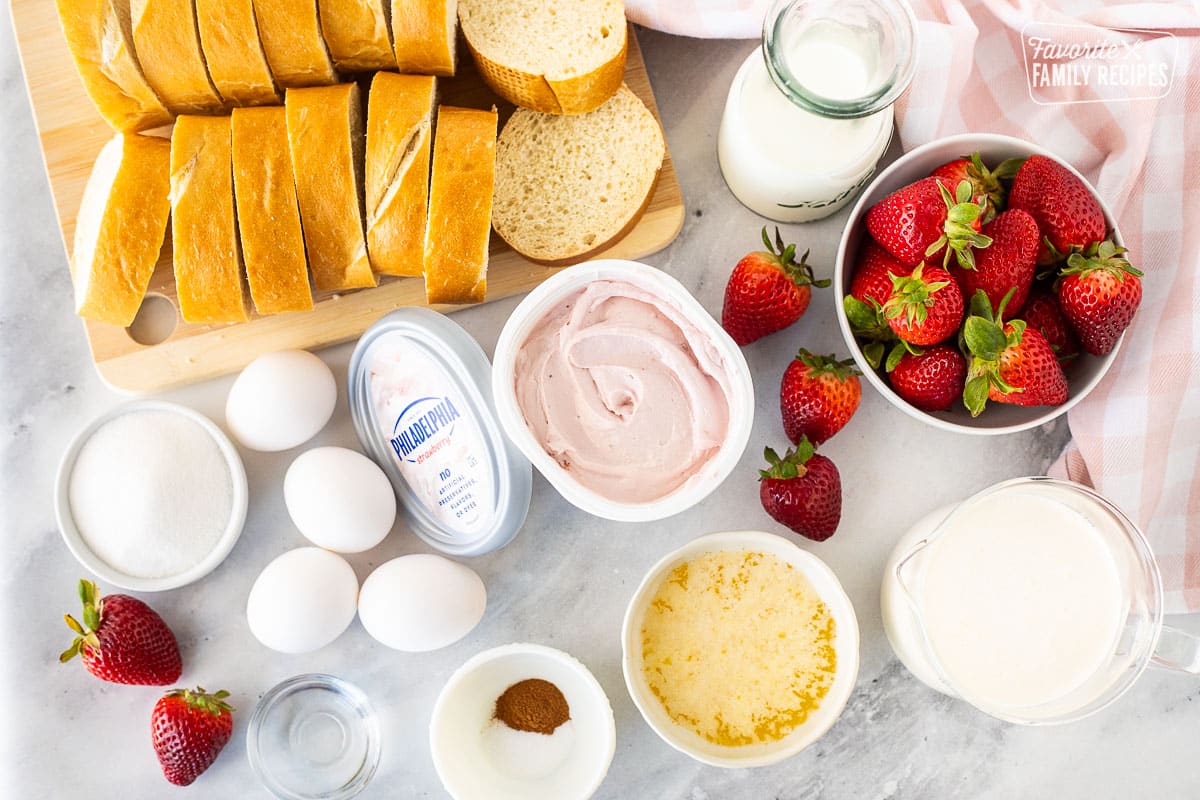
(151, 493)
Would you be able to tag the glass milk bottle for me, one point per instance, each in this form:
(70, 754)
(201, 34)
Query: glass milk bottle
(810, 112)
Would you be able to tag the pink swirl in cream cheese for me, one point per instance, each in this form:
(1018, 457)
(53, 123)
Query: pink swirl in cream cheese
(623, 391)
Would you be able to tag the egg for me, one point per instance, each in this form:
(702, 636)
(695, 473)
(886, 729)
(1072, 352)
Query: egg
(281, 400)
(302, 600)
(339, 499)
(421, 602)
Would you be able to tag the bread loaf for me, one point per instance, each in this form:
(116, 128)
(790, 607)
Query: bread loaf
(233, 52)
(548, 56)
(100, 36)
(424, 33)
(399, 130)
(357, 33)
(291, 38)
(567, 186)
(325, 133)
(267, 214)
(168, 48)
(120, 227)
(460, 206)
(208, 258)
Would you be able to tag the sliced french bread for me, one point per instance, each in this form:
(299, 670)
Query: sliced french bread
(267, 213)
(424, 33)
(325, 134)
(553, 57)
(120, 227)
(399, 130)
(460, 205)
(567, 186)
(291, 38)
(99, 34)
(207, 254)
(233, 51)
(168, 48)
(358, 33)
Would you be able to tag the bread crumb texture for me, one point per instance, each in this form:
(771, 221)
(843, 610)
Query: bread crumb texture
(545, 37)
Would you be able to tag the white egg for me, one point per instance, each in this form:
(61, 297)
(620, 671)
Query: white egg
(281, 400)
(339, 499)
(421, 602)
(302, 600)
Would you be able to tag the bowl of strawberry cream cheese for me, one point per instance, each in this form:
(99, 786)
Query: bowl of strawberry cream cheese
(622, 390)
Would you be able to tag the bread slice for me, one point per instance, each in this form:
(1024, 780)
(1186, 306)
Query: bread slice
(208, 256)
(233, 52)
(424, 33)
(168, 47)
(558, 58)
(358, 33)
(568, 186)
(460, 206)
(100, 36)
(291, 39)
(325, 134)
(399, 130)
(120, 227)
(267, 214)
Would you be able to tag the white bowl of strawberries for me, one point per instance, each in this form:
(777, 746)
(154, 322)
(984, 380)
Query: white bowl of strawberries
(985, 286)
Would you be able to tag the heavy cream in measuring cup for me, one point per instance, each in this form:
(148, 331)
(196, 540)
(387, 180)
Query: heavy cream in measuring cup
(420, 396)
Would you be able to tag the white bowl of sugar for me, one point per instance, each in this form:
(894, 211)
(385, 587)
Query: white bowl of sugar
(151, 496)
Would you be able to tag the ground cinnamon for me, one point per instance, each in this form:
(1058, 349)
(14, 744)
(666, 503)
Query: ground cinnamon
(533, 705)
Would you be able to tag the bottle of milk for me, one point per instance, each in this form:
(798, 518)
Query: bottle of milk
(810, 112)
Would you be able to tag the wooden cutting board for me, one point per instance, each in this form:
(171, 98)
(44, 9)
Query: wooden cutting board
(72, 134)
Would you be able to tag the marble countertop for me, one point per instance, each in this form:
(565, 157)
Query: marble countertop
(563, 582)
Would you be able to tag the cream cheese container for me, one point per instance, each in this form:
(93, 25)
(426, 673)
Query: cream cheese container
(420, 398)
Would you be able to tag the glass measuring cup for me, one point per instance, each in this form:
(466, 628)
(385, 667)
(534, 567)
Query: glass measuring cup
(979, 604)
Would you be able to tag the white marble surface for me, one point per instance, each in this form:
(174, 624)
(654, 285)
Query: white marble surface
(563, 582)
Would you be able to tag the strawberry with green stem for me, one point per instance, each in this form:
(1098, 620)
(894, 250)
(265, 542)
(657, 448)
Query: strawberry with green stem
(1099, 291)
(767, 291)
(1010, 362)
(925, 307)
(1068, 215)
(123, 640)
(925, 222)
(987, 191)
(1009, 263)
(802, 490)
(931, 380)
(817, 396)
(870, 288)
(188, 730)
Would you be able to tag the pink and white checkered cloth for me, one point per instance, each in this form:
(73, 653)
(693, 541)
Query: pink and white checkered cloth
(1136, 438)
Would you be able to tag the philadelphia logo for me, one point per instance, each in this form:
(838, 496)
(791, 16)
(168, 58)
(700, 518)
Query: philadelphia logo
(419, 422)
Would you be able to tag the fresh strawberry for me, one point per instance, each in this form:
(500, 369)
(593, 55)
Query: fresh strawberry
(1009, 263)
(125, 641)
(1044, 316)
(802, 490)
(1011, 362)
(1099, 291)
(986, 189)
(767, 291)
(1067, 213)
(873, 273)
(818, 396)
(923, 221)
(188, 729)
(931, 381)
(925, 307)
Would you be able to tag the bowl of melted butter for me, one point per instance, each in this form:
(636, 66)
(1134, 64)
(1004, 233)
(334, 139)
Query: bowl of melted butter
(740, 648)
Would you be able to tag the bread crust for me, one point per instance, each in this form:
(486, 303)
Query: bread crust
(460, 206)
(233, 52)
(423, 35)
(358, 34)
(99, 35)
(114, 254)
(168, 47)
(399, 132)
(268, 216)
(207, 253)
(326, 137)
(292, 41)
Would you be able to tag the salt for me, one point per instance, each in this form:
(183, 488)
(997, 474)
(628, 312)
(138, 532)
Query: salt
(151, 493)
